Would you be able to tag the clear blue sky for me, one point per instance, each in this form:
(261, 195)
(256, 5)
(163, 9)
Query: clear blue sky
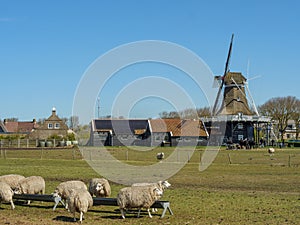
(46, 46)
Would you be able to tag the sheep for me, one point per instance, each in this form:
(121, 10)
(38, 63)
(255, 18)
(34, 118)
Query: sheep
(63, 190)
(6, 194)
(99, 187)
(137, 197)
(12, 180)
(31, 185)
(160, 155)
(162, 185)
(79, 200)
(271, 151)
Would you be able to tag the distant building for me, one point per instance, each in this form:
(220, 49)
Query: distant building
(51, 126)
(142, 132)
(17, 127)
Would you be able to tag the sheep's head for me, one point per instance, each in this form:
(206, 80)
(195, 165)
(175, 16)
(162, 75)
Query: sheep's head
(157, 192)
(166, 184)
(18, 190)
(55, 193)
(99, 188)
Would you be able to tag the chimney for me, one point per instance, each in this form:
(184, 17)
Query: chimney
(53, 111)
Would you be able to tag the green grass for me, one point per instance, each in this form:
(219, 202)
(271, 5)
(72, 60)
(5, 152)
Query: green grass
(240, 187)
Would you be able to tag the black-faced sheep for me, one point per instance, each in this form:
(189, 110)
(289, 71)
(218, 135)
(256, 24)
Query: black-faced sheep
(6, 194)
(63, 190)
(160, 155)
(12, 180)
(31, 185)
(138, 197)
(99, 187)
(80, 201)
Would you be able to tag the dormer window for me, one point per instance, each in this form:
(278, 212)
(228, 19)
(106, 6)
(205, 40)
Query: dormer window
(50, 126)
(57, 125)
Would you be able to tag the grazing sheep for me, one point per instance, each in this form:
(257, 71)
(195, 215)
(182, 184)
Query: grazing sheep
(80, 201)
(138, 197)
(162, 185)
(160, 155)
(99, 187)
(63, 190)
(12, 180)
(6, 194)
(31, 185)
(271, 151)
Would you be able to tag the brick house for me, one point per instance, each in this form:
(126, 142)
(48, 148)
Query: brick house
(51, 126)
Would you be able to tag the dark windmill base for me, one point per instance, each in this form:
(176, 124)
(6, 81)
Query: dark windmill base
(236, 129)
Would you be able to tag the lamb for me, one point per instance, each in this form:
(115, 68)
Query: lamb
(12, 180)
(162, 185)
(31, 185)
(160, 155)
(63, 190)
(99, 187)
(138, 197)
(6, 194)
(80, 201)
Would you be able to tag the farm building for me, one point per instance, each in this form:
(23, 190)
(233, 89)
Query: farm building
(142, 132)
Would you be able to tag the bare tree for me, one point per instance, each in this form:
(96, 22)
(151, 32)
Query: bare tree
(281, 110)
(74, 122)
(296, 117)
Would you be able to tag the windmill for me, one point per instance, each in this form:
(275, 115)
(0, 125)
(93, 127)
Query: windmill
(234, 86)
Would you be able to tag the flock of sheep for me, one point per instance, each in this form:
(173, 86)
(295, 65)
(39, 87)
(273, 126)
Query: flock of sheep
(77, 197)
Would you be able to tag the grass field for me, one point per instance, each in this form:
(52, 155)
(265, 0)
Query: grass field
(240, 187)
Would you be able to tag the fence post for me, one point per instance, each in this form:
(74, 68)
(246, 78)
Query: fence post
(229, 158)
(27, 143)
(289, 160)
(18, 141)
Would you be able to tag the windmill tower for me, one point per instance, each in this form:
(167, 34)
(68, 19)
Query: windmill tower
(235, 103)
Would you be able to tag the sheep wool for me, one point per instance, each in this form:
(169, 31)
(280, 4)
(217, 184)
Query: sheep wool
(12, 180)
(64, 188)
(6, 194)
(138, 197)
(79, 201)
(31, 185)
(105, 191)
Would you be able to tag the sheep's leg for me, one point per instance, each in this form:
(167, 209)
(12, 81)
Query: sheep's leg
(122, 213)
(28, 202)
(74, 217)
(81, 216)
(139, 212)
(12, 205)
(148, 210)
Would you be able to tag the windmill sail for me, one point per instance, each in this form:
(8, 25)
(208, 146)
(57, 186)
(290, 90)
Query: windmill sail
(223, 78)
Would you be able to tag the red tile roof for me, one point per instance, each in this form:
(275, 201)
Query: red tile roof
(20, 127)
(179, 127)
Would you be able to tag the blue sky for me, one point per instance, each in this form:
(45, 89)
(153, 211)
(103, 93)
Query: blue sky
(47, 46)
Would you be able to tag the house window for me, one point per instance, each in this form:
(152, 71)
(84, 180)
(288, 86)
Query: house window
(57, 125)
(50, 126)
(240, 126)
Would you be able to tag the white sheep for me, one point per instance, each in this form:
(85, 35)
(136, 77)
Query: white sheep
(162, 185)
(6, 194)
(31, 185)
(271, 151)
(64, 188)
(137, 197)
(12, 180)
(99, 187)
(80, 201)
